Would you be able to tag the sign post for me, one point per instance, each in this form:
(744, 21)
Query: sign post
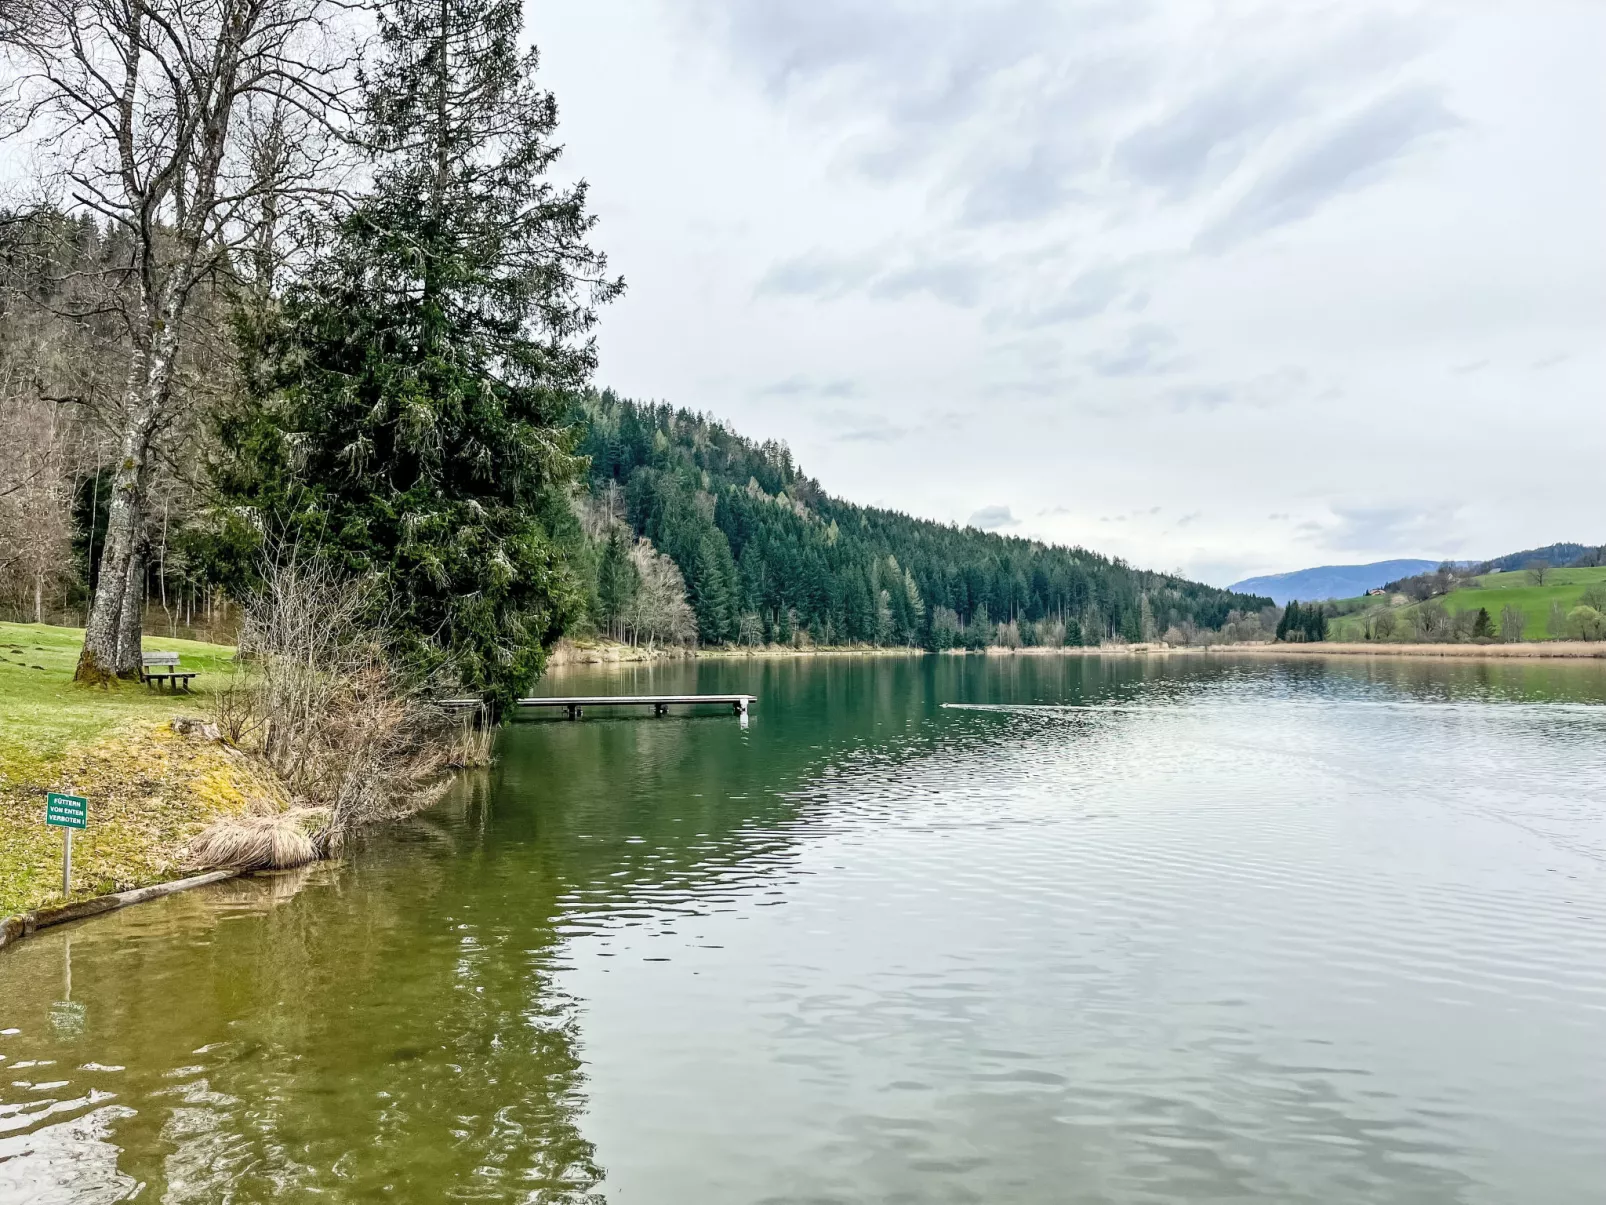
(66, 812)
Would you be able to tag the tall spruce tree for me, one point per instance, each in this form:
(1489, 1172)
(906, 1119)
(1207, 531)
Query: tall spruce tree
(418, 379)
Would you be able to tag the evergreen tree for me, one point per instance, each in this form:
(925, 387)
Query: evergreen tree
(1291, 620)
(617, 582)
(415, 385)
(711, 594)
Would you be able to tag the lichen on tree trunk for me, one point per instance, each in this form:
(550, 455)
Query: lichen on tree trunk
(112, 643)
(112, 637)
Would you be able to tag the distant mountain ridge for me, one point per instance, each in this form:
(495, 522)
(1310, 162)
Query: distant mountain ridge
(1331, 581)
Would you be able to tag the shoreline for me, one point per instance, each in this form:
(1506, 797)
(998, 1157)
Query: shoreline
(567, 656)
(14, 928)
(1536, 650)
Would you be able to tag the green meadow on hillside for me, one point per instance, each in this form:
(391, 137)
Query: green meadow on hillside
(1494, 592)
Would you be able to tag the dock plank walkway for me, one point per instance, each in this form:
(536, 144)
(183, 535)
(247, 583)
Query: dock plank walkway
(660, 704)
(576, 704)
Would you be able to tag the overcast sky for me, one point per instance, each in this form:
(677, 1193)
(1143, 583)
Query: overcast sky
(1224, 288)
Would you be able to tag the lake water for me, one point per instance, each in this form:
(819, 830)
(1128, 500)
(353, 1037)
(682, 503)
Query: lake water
(1105, 931)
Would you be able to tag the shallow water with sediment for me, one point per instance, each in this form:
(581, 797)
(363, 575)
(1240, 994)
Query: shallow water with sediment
(925, 929)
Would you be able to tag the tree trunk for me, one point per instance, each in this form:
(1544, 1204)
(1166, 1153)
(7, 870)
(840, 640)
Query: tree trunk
(112, 635)
(39, 598)
(114, 614)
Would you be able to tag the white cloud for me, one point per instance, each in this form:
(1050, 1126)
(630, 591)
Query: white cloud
(991, 518)
(1244, 261)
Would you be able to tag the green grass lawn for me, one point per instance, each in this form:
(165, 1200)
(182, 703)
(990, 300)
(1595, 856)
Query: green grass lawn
(1495, 592)
(150, 790)
(42, 712)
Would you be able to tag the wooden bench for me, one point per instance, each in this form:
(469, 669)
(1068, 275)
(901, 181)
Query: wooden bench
(160, 668)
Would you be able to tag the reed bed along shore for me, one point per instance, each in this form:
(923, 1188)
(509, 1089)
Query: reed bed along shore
(1558, 650)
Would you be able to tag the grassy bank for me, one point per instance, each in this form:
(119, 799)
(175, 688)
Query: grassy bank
(150, 790)
(1492, 591)
(1534, 650)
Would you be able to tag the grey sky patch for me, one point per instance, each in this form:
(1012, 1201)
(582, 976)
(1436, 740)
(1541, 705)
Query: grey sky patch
(1146, 350)
(1033, 187)
(991, 518)
(1347, 156)
(1470, 367)
(881, 275)
(1551, 361)
(844, 426)
(871, 434)
(816, 275)
(799, 385)
(909, 75)
(1433, 531)
(1209, 134)
(954, 282)
(1089, 293)
(1200, 397)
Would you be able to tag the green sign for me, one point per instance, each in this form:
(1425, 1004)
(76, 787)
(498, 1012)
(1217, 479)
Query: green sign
(67, 811)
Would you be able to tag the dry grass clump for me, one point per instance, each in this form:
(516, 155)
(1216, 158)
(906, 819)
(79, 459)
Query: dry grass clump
(276, 842)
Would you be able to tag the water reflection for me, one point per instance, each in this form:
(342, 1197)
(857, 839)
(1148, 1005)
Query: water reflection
(1117, 930)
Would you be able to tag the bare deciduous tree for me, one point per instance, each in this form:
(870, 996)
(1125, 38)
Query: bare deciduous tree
(659, 610)
(1512, 622)
(35, 500)
(1556, 621)
(167, 119)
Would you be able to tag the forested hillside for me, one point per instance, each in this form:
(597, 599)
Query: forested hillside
(199, 407)
(768, 556)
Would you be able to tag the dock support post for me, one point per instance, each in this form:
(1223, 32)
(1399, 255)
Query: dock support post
(575, 712)
(660, 709)
(739, 707)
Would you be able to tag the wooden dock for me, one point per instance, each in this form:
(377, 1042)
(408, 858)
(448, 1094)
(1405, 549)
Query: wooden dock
(660, 704)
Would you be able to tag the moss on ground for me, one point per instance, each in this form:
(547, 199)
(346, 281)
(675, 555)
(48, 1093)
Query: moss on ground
(150, 790)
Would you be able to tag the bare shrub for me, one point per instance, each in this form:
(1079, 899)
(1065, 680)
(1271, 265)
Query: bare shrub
(324, 701)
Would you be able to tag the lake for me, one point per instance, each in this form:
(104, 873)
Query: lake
(926, 929)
